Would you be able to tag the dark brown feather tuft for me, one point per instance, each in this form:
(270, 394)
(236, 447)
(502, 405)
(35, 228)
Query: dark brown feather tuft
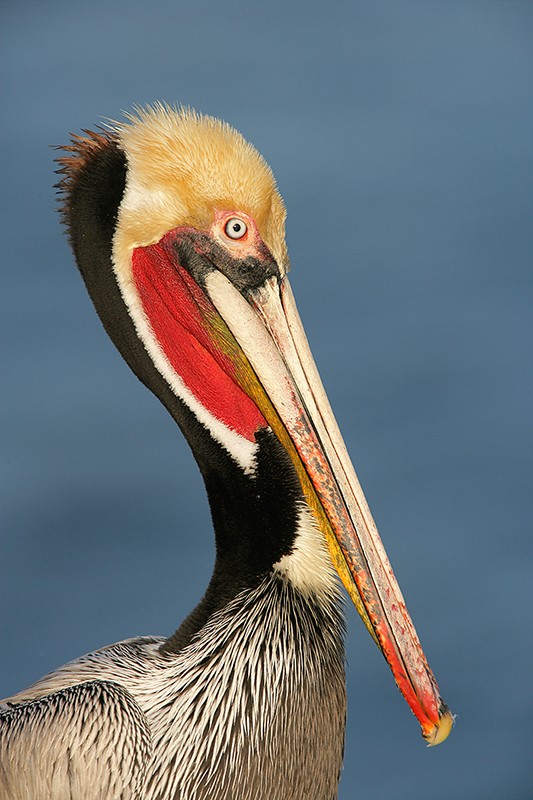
(81, 151)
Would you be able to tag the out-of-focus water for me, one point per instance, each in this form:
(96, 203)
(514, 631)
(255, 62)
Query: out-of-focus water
(400, 134)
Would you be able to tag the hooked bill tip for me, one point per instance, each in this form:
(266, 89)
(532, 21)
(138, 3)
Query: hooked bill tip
(440, 732)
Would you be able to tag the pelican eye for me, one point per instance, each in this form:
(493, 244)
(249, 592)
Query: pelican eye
(235, 228)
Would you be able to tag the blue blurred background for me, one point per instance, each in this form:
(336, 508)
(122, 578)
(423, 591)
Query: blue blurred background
(400, 135)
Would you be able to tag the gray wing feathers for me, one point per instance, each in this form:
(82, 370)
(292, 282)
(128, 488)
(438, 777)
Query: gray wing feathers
(90, 741)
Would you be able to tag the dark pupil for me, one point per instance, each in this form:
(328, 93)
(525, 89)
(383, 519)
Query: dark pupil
(236, 227)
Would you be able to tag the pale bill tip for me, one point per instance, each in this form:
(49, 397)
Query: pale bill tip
(440, 732)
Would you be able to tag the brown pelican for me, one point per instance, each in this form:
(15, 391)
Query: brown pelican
(178, 230)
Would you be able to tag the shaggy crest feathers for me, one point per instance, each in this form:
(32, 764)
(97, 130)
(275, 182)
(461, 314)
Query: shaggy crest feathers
(182, 167)
(80, 151)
